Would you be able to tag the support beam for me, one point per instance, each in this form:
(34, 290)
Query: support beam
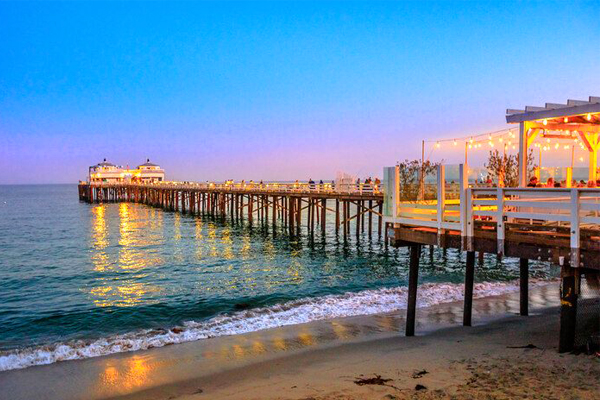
(469, 280)
(524, 286)
(568, 311)
(413, 280)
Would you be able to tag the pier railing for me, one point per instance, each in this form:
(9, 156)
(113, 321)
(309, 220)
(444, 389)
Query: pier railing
(271, 187)
(460, 206)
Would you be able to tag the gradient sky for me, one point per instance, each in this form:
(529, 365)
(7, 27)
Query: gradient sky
(274, 91)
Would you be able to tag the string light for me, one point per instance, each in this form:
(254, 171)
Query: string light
(545, 122)
(566, 120)
(589, 117)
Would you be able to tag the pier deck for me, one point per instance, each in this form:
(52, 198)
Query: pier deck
(361, 205)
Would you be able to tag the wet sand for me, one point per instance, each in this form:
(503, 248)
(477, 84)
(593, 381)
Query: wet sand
(322, 360)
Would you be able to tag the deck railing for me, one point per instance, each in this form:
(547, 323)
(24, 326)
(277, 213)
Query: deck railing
(457, 207)
(271, 187)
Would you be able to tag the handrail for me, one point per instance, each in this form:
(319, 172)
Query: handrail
(325, 188)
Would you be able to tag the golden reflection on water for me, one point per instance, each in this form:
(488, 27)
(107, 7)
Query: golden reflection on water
(199, 236)
(135, 372)
(131, 236)
(227, 244)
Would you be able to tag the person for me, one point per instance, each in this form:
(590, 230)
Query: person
(557, 185)
(550, 182)
(533, 181)
(377, 181)
(311, 183)
(591, 184)
(581, 183)
(321, 186)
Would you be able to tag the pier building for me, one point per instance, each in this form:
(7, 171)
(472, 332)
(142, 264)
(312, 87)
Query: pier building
(108, 172)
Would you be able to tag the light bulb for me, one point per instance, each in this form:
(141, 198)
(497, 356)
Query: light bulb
(455, 142)
(471, 140)
(589, 117)
(470, 146)
(437, 144)
(566, 120)
(580, 158)
(545, 122)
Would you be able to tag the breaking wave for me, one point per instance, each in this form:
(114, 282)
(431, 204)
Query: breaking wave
(290, 313)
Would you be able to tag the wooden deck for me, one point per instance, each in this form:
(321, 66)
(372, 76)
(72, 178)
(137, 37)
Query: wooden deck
(350, 208)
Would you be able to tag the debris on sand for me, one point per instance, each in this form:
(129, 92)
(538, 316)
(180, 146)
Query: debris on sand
(377, 380)
(419, 374)
(528, 346)
(420, 387)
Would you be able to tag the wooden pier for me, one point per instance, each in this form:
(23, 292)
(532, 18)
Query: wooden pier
(352, 209)
(556, 225)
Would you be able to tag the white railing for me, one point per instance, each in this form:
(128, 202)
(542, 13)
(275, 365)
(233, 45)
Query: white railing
(461, 206)
(359, 189)
(575, 208)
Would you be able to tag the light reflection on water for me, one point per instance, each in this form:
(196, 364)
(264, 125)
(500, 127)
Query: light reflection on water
(79, 271)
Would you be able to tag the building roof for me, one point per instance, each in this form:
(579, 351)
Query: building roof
(148, 164)
(106, 164)
(553, 110)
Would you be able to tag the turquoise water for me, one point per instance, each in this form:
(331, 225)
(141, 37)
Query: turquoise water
(76, 273)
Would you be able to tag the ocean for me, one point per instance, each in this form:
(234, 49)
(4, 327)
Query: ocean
(81, 280)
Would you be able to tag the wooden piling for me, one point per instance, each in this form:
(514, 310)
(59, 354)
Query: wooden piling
(568, 310)
(524, 286)
(413, 280)
(469, 281)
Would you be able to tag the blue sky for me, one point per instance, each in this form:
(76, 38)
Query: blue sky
(274, 91)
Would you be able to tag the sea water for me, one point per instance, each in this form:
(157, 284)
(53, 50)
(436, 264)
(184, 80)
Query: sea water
(80, 280)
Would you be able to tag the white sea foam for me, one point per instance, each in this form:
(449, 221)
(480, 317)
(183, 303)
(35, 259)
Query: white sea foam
(290, 313)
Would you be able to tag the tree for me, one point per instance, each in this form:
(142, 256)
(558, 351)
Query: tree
(505, 167)
(411, 182)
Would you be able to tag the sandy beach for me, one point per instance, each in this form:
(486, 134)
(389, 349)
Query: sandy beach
(350, 358)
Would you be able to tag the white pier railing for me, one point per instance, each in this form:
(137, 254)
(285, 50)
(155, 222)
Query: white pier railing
(457, 205)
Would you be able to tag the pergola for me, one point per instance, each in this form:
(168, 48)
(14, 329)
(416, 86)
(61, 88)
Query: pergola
(578, 120)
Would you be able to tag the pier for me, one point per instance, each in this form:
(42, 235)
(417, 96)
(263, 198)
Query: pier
(353, 208)
(446, 208)
(559, 225)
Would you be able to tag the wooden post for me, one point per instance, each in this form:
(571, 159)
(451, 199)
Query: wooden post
(413, 280)
(568, 310)
(380, 222)
(524, 286)
(345, 219)
(370, 218)
(469, 279)
(337, 216)
(323, 215)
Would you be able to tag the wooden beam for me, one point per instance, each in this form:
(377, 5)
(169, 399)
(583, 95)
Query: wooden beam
(413, 280)
(524, 286)
(566, 127)
(565, 111)
(568, 311)
(469, 281)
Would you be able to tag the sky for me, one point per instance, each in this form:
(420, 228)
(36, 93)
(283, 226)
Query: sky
(274, 90)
